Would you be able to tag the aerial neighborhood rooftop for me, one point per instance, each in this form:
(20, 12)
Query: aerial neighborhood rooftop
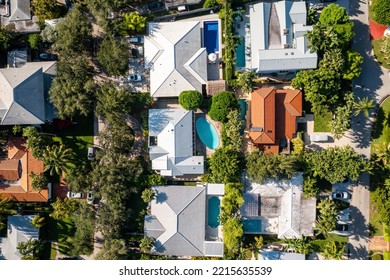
(191, 129)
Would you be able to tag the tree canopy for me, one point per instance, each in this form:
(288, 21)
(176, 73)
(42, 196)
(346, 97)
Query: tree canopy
(326, 220)
(221, 104)
(113, 55)
(134, 22)
(381, 11)
(231, 131)
(45, 9)
(224, 165)
(232, 234)
(190, 99)
(5, 38)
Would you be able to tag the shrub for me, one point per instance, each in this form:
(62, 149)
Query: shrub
(221, 104)
(190, 99)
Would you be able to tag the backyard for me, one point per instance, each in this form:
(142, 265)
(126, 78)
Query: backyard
(322, 121)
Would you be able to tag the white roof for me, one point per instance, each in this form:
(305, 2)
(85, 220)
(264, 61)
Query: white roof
(173, 153)
(278, 41)
(178, 222)
(175, 57)
(20, 10)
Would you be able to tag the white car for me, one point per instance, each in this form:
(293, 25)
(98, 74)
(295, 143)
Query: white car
(90, 197)
(74, 195)
(136, 40)
(134, 78)
(341, 195)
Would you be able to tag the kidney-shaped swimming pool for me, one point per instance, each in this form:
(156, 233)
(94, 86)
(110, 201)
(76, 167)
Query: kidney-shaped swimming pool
(207, 133)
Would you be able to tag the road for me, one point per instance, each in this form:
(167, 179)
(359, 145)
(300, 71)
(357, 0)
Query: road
(373, 82)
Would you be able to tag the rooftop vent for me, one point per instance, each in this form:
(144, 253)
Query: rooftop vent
(285, 46)
(285, 31)
(256, 128)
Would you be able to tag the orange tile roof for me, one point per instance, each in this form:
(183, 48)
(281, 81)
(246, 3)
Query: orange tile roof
(24, 191)
(9, 170)
(273, 116)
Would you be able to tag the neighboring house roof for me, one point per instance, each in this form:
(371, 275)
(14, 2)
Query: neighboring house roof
(22, 91)
(176, 3)
(277, 37)
(20, 10)
(171, 143)
(176, 59)
(21, 189)
(178, 222)
(283, 208)
(276, 255)
(9, 169)
(273, 115)
(19, 230)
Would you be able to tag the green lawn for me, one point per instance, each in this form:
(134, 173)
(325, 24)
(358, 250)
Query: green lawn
(61, 231)
(376, 45)
(78, 137)
(338, 238)
(322, 122)
(386, 255)
(381, 132)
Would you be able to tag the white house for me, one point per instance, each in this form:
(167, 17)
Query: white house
(171, 143)
(175, 57)
(277, 37)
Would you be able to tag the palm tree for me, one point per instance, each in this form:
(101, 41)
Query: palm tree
(5, 210)
(382, 150)
(38, 221)
(30, 249)
(63, 209)
(57, 159)
(148, 195)
(363, 106)
(334, 250)
(146, 244)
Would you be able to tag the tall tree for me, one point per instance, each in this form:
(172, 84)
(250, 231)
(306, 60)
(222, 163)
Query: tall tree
(190, 99)
(232, 234)
(134, 22)
(231, 136)
(146, 244)
(353, 65)
(113, 55)
(334, 250)
(148, 195)
(221, 104)
(45, 9)
(64, 208)
(115, 249)
(5, 38)
(38, 221)
(5, 210)
(381, 11)
(58, 159)
(30, 249)
(224, 166)
(245, 81)
(38, 181)
(36, 141)
(342, 120)
(363, 105)
(233, 199)
(84, 219)
(326, 220)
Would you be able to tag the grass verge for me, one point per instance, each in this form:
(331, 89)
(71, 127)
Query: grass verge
(322, 122)
(376, 45)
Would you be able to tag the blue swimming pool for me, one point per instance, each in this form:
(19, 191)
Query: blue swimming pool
(252, 225)
(211, 36)
(240, 53)
(207, 133)
(213, 212)
(243, 108)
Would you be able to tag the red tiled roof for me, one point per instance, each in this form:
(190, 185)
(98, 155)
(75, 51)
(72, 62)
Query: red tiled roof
(273, 116)
(9, 170)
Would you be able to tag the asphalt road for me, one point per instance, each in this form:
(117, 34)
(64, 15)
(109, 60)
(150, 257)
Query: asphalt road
(373, 82)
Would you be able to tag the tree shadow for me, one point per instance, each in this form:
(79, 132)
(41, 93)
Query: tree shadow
(354, 7)
(360, 234)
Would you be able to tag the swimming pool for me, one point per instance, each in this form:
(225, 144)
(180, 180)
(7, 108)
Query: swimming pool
(211, 36)
(243, 108)
(252, 225)
(207, 133)
(240, 53)
(213, 212)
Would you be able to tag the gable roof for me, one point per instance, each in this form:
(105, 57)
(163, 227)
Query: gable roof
(277, 37)
(175, 57)
(19, 230)
(22, 93)
(273, 115)
(20, 10)
(178, 222)
(173, 152)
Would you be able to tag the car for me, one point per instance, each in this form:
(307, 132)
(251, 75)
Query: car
(342, 229)
(47, 56)
(343, 218)
(90, 197)
(318, 6)
(91, 153)
(136, 39)
(134, 78)
(154, 6)
(134, 53)
(319, 137)
(141, 50)
(70, 194)
(341, 195)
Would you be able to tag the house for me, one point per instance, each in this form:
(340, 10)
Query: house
(171, 143)
(277, 41)
(183, 220)
(19, 230)
(15, 170)
(24, 93)
(278, 207)
(273, 118)
(175, 57)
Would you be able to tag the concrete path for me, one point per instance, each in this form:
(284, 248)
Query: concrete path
(379, 243)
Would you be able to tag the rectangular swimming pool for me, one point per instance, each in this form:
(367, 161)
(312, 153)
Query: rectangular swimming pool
(211, 36)
(240, 53)
(252, 226)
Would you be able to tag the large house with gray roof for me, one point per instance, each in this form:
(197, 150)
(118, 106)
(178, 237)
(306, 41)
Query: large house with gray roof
(277, 38)
(182, 220)
(171, 143)
(175, 57)
(24, 93)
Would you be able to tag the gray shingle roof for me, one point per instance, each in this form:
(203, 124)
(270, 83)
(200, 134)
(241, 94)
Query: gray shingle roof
(20, 10)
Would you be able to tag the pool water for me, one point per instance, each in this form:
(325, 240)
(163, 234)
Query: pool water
(252, 225)
(213, 212)
(210, 36)
(243, 108)
(240, 53)
(207, 133)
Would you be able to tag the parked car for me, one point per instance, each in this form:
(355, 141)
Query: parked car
(341, 195)
(343, 218)
(136, 39)
(91, 153)
(154, 6)
(74, 195)
(90, 197)
(319, 137)
(134, 78)
(47, 56)
(318, 6)
(342, 229)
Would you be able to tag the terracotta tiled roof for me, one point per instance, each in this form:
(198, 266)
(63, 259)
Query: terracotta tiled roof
(273, 116)
(24, 191)
(9, 170)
